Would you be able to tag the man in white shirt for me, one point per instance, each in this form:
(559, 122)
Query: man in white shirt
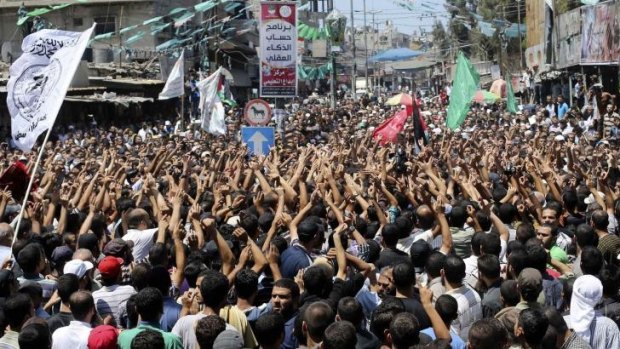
(139, 232)
(212, 292)
(468, 300)
(112, 297)
(550, 106)
(75, 336)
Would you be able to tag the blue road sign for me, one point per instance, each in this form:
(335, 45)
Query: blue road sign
(258, 139)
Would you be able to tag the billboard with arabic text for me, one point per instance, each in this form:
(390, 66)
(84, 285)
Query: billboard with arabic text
(278, 49)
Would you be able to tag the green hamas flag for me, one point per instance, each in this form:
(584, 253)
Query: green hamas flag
(511, 102)
(464, 88)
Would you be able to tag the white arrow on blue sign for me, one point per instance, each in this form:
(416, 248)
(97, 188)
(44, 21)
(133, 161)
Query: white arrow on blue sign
(258, 139)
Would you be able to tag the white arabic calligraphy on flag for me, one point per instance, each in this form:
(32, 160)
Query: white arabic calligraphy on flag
(39, 81)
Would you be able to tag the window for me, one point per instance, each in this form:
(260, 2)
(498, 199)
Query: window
(105, 25)
(77, 22)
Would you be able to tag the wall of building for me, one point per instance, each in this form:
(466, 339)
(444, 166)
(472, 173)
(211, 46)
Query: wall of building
(81, 17)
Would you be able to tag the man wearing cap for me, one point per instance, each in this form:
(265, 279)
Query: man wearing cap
(112, 296)
(103, 337)
(228, 339)
(82, 266)
(530, 285)
(140, 233)
(75, 336)
(121, 249)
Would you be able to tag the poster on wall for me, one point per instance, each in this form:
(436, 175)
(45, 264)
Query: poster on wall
(569, 35)
(568, 55)
(599, 35)
(534, 56)
(278, 49)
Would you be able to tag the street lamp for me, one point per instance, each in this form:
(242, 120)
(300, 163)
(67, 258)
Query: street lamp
(336, 26)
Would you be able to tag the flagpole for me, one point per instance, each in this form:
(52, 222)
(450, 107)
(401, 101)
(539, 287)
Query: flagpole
(32, 176)
(183, 111)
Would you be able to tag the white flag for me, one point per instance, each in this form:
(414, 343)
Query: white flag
(175, 85)
(211, 107)
(39, 81)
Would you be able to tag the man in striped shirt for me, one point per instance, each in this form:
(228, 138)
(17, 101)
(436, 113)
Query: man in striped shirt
(468, 300)
(112, 297)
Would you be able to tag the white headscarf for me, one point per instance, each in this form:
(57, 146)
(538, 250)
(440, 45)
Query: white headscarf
(587, 292)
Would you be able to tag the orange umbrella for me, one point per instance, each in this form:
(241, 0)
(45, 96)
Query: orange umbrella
(400, 99)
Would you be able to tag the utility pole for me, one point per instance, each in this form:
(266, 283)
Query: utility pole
(120, 39)
(519, 29)
(354, 72)
(366, 44)
(375, 79)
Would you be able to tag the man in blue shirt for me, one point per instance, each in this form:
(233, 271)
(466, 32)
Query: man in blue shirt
(562, 107)
(159, 278)
(304, 239)
(285, 301)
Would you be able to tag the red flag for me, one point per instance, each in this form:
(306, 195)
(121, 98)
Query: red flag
(388, 131)
(16, 178)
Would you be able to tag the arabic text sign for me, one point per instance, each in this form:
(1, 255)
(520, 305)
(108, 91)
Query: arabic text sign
(278, 46)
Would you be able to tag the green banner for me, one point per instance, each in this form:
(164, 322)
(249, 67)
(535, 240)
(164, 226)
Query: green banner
(464, 88)
(511, 102)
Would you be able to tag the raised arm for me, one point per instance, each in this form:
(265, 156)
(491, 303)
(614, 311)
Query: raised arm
(226, 255)
(446, 235)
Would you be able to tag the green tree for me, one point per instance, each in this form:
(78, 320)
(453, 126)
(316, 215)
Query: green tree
(441, 40)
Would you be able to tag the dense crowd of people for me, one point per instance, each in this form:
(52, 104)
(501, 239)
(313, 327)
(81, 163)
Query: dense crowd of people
(500, 234)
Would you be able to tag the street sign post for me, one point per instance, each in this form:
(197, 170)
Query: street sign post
(257, 112)
(258, 139)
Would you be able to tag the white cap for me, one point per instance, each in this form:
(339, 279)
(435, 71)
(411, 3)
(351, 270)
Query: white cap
(559, 138)
(168, 123)
(77, 267)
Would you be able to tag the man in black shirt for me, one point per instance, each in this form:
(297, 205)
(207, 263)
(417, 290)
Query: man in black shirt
(350, 310)
(67, 285)
(404, 279)
(390, 255)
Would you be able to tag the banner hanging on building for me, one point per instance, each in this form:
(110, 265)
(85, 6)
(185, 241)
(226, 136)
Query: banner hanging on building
(568, 31)
(599, 34)
(278, 49)
(39, 81)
